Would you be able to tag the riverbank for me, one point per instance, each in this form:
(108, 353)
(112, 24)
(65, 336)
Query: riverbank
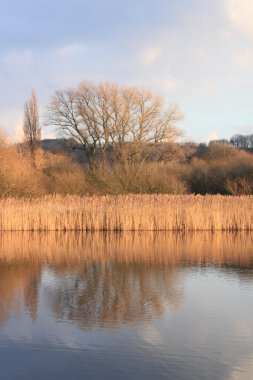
(127, 213)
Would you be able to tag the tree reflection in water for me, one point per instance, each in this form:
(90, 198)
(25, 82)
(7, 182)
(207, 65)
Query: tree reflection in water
(19, 286)
(109, 293)
(108, 279)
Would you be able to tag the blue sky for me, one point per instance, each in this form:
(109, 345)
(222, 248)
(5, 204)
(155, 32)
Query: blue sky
(197, 53)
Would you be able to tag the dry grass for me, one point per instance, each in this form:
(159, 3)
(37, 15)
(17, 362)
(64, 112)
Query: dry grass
(127, 213)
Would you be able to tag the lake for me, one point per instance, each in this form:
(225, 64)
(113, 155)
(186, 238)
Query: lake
(126, 306)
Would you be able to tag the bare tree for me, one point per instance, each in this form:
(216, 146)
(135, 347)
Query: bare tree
(126, 123)
(242, 141)
(31, 128)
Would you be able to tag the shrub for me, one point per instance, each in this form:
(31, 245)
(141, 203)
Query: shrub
(136, 179)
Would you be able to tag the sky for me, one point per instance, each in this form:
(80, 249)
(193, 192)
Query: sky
(196, 53)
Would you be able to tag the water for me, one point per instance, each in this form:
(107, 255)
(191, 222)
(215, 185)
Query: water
(126, 306)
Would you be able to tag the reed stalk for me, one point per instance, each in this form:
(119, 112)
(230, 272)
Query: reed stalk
(128, 213)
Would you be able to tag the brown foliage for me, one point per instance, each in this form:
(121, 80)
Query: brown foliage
(230, 175)
(22, 175)
(162, 178)
(62, 175)
(18, 176)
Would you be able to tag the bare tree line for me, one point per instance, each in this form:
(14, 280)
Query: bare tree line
(112, 122)
(239, 141)
(242, 141)
(131, 140)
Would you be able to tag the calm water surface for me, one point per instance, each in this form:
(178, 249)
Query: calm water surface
(126, 306)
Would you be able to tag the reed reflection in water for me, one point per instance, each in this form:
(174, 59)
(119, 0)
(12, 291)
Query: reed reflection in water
(97, 283)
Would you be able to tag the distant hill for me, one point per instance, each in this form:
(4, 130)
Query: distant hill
(63, 146)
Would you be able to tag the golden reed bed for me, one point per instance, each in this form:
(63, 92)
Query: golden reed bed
(127, 213)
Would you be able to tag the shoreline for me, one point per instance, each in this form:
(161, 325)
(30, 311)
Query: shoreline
(128, 213)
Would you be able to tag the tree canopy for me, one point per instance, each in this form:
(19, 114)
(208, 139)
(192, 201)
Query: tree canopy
(128, 122)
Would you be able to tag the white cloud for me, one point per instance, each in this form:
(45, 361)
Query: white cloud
(243, 60)
(210, 87)
(151, 55)
(15, 58)
(164, 85)
(70, 49)
(151, 335)
(240, 13)
(212, 136)
(197, 62)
